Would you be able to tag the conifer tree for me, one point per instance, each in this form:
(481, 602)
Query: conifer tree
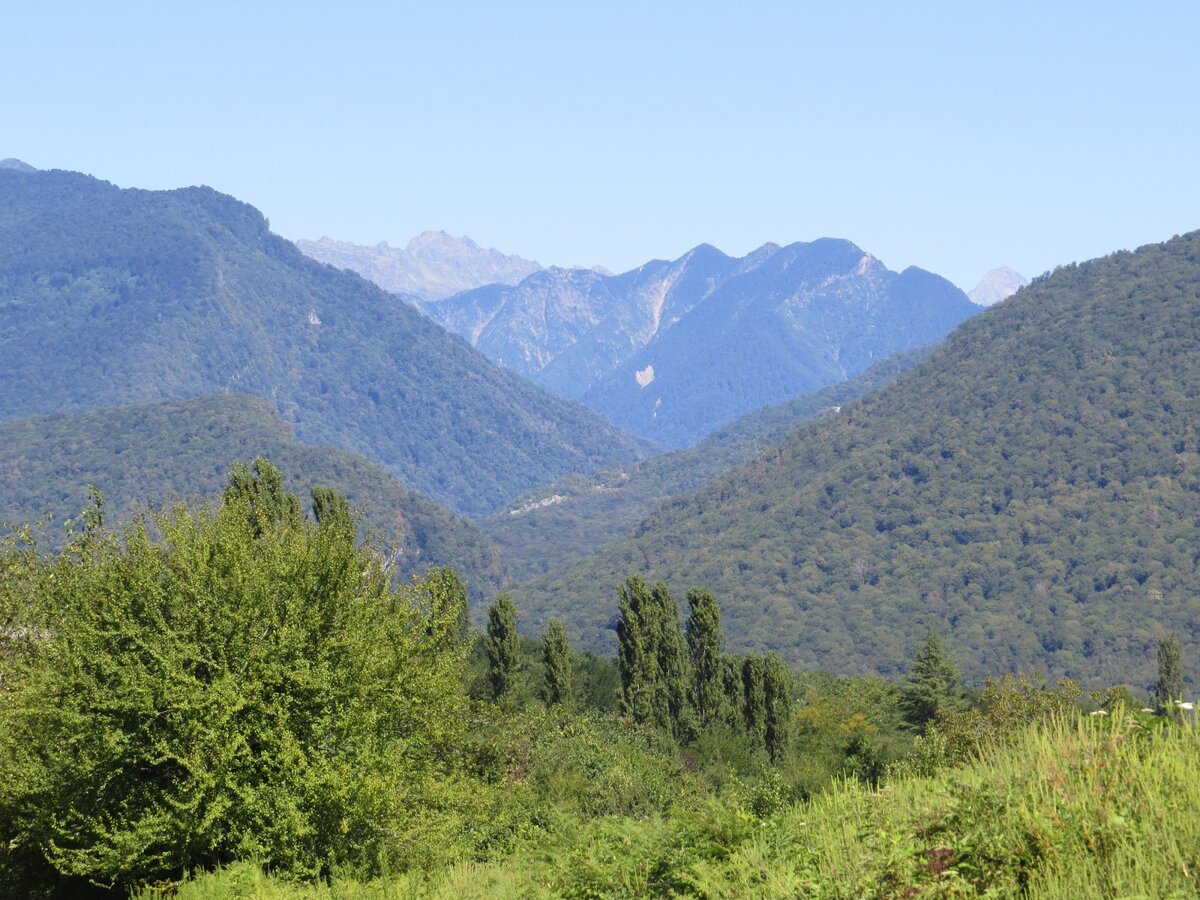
(777, 696)
(1169, 685)
(703, 633)
(503, 647)
(932, 684)
(556, 660)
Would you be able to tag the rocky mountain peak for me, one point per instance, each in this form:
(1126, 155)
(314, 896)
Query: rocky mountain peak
(998, 284)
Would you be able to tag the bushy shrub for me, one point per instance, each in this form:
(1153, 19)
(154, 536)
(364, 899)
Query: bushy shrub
(211, 686)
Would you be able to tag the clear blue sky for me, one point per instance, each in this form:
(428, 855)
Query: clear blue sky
(955, 136)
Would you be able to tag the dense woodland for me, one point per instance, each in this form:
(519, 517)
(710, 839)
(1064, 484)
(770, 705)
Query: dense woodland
(592, 511)
(154, 453)
(1030, 489)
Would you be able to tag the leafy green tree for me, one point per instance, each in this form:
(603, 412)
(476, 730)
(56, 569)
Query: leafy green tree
(503, 647)
(259, 491)
(637, 648)
(556, 662)
(703, 632)
(754, 697)
(673, 706)
(331, 509)
(734, 689)
(1168, 687)
(777, 703)
(932, 685)
(651, 657)
(447, 593)
(211, 686)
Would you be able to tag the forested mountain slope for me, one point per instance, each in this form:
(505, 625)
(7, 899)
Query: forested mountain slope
(580, 514)
(1032, 489)
(111, 296)
(674, 349)
(160, 452)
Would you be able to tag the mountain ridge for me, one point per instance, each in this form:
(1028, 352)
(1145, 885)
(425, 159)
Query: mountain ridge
(111, 296)
(777, 323)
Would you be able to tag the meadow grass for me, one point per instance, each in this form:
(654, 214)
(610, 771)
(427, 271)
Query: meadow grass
(1075, 807)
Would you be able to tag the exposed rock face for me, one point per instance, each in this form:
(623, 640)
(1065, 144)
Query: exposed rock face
(998, 284)
(432, 266)
(672, 350)
(16, 165)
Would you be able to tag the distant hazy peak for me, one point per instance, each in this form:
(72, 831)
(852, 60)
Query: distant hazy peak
(433, 265)
(998, 284)
(16, 165)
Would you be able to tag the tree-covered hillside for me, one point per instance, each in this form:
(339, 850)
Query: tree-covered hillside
(156, 453)
(1031, 489)
(578, 515)
(111, 296)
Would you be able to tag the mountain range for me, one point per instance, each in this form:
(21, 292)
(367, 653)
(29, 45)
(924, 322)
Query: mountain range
(1030, 490)
(112, 296)
(674, 349)
(433, 265)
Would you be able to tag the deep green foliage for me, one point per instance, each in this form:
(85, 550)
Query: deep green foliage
(777, 707)
(111, 296)
(503, 647)
(703, 632)
(244, 684)
(1168, 687)
(754, 697)
(556, 665)
(932, 686)
(183, 450)
(652, 658)
(596, 510)
(1029, 490)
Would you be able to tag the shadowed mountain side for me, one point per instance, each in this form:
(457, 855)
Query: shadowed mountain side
(1030, 489)
(149, 454)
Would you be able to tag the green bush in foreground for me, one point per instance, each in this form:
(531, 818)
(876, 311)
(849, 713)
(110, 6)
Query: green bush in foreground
(207, 687)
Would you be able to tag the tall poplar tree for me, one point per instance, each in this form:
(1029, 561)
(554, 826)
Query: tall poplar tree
(637, 649)
(673, 710)
(503, 646)
(754, 697)
(777, 702)
(1169, 685)
(703, 633)
(556, 660)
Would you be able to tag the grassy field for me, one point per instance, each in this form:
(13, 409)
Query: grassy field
(1078, 807)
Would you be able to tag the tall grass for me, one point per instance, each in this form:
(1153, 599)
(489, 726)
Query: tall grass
(1071, 808)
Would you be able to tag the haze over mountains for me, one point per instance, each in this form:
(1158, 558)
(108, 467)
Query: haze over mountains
(674, 349)
(111, 296)
(1030, 489)
(433, 265)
